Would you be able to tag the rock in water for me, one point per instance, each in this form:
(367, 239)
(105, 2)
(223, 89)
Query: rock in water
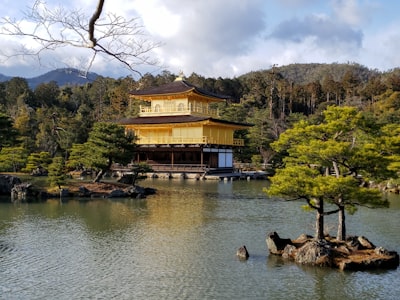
(365, 243)
(276, 244)
(242, 253)
(316, 253)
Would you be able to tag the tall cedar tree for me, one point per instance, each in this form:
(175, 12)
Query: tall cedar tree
(108, 144)
(331, 161)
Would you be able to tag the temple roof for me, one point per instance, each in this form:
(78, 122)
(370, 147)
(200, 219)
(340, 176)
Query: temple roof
(178, 86)
(175, 119)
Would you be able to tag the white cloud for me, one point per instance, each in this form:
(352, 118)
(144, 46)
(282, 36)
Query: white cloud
(158, 19)
(211, 35)
(381, 49)
(228, 38)
(353, 12)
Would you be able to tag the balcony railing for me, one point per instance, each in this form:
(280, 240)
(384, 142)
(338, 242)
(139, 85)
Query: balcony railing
(147, 111)
(169, 140)
(238, 142)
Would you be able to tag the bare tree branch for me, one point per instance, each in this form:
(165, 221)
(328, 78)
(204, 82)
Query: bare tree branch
(110, 36)
(93, 20)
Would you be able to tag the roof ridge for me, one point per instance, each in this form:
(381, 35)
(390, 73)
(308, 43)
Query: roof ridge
(188, 84)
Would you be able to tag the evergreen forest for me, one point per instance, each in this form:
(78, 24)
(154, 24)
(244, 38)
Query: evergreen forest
(49, 121)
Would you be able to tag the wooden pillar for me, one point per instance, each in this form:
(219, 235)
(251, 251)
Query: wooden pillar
(201, 157)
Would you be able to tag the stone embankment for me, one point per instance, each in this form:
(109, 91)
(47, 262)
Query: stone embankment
(7, 182)
(356, 253)
(14, 187)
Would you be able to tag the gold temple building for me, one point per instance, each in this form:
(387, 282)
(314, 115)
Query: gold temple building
(179, 131)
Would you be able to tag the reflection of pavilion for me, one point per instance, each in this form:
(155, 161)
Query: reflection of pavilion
(179, 131)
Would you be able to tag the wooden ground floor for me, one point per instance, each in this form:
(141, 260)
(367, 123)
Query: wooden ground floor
(196, 159)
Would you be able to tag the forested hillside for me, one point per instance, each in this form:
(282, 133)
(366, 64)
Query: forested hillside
(50, 118)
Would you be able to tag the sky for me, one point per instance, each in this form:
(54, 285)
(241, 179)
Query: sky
(228, 38)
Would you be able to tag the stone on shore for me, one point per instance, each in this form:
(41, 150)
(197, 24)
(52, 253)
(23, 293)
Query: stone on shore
(106, 190)
(20, 192)
(7, 182)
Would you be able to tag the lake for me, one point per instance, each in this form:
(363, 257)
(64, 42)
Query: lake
(180, 244)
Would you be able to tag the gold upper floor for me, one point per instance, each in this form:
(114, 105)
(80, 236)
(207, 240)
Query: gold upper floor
(177, 108)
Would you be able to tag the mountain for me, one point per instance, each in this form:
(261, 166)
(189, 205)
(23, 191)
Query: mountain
(316, 72)
(65, 76)
(4, 78)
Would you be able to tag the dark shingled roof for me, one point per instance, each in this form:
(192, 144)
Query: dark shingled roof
(174, 119)
(176, 87)
(162, 120)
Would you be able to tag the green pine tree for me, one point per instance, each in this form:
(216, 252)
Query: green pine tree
(56, 175)
(12, 159)
(331, 161)
(107, 144)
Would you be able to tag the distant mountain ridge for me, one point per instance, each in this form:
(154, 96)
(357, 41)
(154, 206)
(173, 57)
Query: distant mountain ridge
(64, 76)
(304, 73)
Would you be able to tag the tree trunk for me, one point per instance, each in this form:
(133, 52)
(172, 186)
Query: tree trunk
(99, 175)
(104, 170)
(341, 233)
(319, 234)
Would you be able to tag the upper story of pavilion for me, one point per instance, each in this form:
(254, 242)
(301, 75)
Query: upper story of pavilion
(177, 98)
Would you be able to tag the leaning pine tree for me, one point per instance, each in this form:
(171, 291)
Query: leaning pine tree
(107, 144)
(332, 162)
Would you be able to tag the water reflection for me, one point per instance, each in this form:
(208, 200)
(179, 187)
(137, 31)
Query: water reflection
(178, 244)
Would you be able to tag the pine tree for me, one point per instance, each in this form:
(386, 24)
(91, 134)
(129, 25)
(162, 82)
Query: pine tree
(56, 175)
(107, 144)
(331, 161)
(12, 159)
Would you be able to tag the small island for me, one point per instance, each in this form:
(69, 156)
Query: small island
(333, 166)
(20, 191)
(356, 253)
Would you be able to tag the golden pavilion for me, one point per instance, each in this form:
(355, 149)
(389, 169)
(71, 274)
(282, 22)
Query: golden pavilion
(179, 130)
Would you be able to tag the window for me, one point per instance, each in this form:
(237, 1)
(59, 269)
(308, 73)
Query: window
(181, 107)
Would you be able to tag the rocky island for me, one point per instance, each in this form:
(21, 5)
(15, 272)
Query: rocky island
(23, 191)
(355, 253)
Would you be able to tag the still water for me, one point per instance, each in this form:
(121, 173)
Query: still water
(179, 244)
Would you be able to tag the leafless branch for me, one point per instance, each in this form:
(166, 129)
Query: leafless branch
(110, 36)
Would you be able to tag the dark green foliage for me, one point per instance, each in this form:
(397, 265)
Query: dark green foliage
(138, 170)
(37, 160)
(52, 118)
(12, 159)
(332, 161)
(76, 157)
(8, 134)
(107, 144)
(46, 94)
(56, 175)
